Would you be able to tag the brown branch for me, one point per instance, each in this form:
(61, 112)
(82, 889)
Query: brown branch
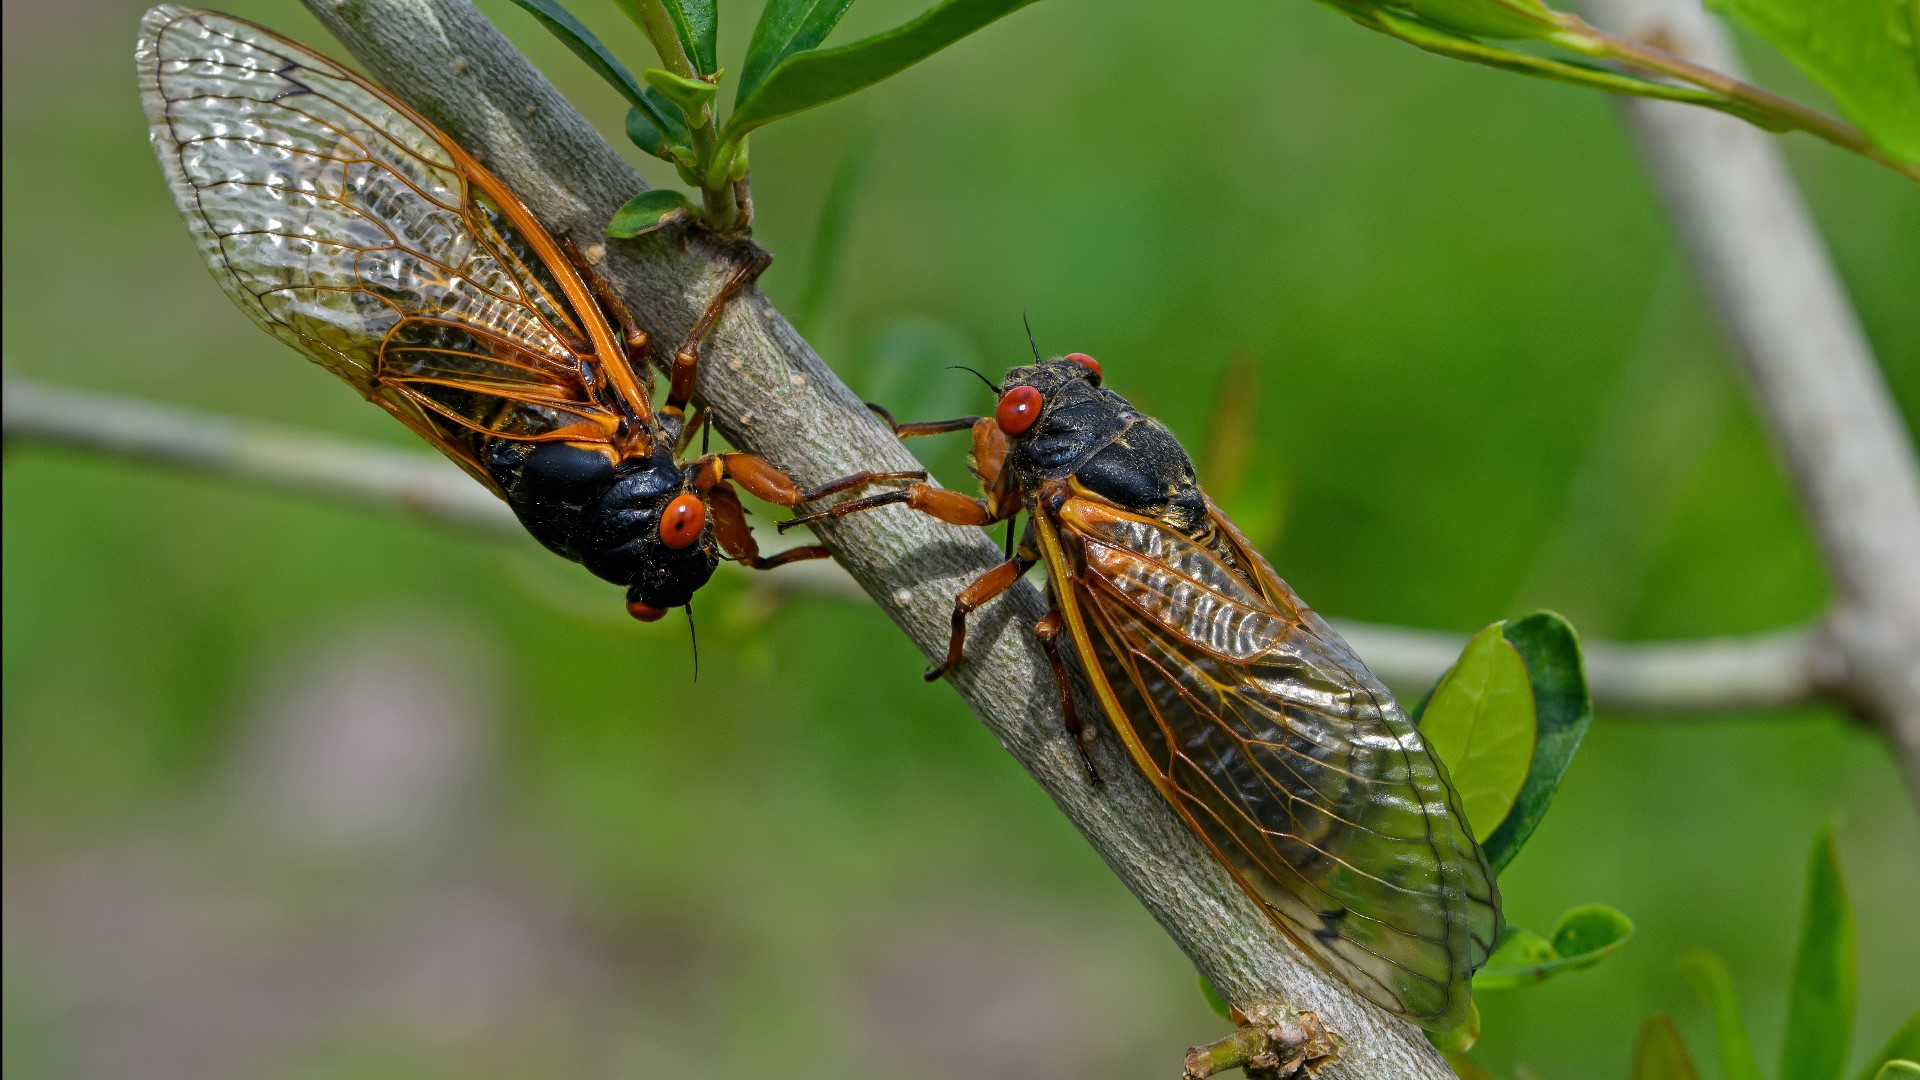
(1807, 363)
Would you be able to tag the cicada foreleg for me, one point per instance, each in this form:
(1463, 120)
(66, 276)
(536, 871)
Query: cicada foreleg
(686, 359)
(714, 477)
(736, 536)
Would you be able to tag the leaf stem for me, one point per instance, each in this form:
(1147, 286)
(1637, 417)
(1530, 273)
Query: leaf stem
(723, 202)
(1752, 103)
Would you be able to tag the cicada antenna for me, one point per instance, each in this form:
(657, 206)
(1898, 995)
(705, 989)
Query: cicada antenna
(693, 637)
(1024, 321)
(975, 374)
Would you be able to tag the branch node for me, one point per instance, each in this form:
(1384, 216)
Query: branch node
(1273, 1043)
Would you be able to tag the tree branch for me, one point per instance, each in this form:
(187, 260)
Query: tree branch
(1807, 362)
(1762, 671)
(770, 394)
(424, 485)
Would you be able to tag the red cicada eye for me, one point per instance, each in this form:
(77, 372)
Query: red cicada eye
(1088, 362)
(1019, 408)
(644, 612)
(681, 522)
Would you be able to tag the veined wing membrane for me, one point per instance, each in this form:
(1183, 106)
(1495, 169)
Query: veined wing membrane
(352, 230)
(1289, 760)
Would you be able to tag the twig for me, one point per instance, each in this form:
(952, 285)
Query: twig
(284, 459)
(1808, 364)
(1761, 671)
(770, 394)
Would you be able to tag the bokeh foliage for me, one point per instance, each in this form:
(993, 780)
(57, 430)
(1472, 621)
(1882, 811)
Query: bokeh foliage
(1482, 368)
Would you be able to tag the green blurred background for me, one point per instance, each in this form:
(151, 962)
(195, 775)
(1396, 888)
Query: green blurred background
(296, 790)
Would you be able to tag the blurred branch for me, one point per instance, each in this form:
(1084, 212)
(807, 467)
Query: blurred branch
(1763, 671)
(423, 485)
(1800, 346)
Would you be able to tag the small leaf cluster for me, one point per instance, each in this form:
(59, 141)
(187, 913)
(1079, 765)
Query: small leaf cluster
(1505, 721)
(673, 109)
(1819, 1025)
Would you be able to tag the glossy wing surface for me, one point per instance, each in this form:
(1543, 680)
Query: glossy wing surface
(1288, 758)
(350, 229)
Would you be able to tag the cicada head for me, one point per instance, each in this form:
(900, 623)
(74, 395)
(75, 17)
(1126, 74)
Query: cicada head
(1055, 415)
(1059, 422)
(649, 530)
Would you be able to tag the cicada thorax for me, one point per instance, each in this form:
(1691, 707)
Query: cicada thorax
(1091, 440)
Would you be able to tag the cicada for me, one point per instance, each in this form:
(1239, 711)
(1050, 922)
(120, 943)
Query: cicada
(350, 228)
(1262, 729)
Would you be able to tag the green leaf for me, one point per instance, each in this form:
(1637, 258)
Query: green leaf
(575, 35)
(1899, 1069)
(1903, 1045)
(1480, 722)
(697, 24)
(812, 78)
(1820, 1002)
(690, 95)
(648, 211)
(1487, 18)
(786, 27)
(1864, 53)
(1214, 1001)
(1516, 960)
(1586, 935)
(1589, 932)
(1660, 1053)
(1424, 35)
(1562, 713)
(1710, 977)
(645, 134)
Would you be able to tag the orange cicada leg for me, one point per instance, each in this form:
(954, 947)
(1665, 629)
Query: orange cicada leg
(686, 359)
(736, 537)
(977, 593)
(949, 506)
(714, 477)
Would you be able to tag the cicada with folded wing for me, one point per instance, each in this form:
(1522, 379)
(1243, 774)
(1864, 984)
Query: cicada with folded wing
(350, 228)
(1262, 729)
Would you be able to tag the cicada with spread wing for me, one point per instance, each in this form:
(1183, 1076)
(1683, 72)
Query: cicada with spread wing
(350, 228)
(1262, 729)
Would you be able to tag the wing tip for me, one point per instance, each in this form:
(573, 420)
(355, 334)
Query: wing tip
(155, 23)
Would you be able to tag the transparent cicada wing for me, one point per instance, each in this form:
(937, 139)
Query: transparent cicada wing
(352, 230)
(1285, 755)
